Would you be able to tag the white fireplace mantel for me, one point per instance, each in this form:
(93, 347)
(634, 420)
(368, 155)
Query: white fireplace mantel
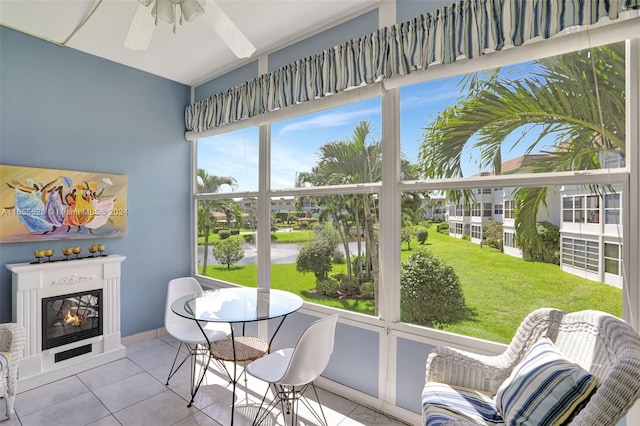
(32, 282)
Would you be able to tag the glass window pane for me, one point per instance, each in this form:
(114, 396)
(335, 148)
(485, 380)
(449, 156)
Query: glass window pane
(612, 201)
(612, 250)
(324, 255)
(480, 266)
(449, 125)
(297, 145)
(612, 217)
(226, 240)
(612, 266)
(230, 155)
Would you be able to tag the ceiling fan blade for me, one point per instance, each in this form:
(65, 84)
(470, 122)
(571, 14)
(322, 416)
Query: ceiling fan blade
(228, 31)
(141, 29)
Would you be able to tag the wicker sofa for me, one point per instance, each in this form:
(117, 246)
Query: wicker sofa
(599, 343)
(12, 340)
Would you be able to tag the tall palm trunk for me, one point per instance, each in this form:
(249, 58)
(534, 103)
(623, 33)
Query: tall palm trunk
(356, 218)
(372, 252)
(345, 243)
(205, 255)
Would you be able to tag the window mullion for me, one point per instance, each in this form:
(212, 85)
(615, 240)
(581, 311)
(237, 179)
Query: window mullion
(264, 208)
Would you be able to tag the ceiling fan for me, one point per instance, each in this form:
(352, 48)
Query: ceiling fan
(149, 12)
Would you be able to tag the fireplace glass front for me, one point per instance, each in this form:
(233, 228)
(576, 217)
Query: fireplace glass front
(71, 317)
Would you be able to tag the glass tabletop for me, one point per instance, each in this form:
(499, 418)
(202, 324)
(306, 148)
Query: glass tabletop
(241, 304)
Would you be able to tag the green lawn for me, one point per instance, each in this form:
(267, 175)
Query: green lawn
(281, 278)
(500, 290)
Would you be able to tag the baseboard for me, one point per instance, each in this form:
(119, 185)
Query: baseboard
(351, 394)
(369, 401)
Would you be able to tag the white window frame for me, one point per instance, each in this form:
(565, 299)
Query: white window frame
(390, 188)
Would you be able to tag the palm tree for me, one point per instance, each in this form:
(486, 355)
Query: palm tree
(206, 184)
(347, 162)
(577, 99)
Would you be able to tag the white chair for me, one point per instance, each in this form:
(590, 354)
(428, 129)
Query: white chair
(12, 340)
(188, 332)
(292, 371)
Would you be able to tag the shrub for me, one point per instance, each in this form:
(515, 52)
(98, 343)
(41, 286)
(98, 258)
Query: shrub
(227, 251)
(493, 234)
(430, 291)
(443, 228)
(466, 237)
(338, 257)
(422, 235)
(406, 233)
(224, 234)
(327, 287)
(367, 290)
(315, 257)
(281, 217)
(354, 264)
(549, 252)
(249, 238)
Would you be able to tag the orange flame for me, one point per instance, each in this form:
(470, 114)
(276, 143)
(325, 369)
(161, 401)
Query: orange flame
(71, 319)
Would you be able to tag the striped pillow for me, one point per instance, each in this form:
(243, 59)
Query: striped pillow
(4, 360)
(444, 404)
(545, 389)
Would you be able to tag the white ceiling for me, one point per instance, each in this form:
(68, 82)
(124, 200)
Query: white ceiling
(194, 53)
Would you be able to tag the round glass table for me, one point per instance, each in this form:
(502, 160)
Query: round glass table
(236, 305)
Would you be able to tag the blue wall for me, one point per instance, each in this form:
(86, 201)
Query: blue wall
(408, 9)
(64, 109)
(238, 76)
(354, 28)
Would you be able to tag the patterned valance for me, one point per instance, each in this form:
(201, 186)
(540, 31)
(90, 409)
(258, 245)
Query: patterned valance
(463, 30)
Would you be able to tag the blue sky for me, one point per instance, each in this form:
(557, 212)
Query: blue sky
(295, 142)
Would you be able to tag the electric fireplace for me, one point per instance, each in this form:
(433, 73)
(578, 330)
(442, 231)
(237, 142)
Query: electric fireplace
(71, 317)
(71, 311)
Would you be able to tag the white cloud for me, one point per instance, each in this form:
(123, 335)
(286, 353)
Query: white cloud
(427, 99)
(330, 119)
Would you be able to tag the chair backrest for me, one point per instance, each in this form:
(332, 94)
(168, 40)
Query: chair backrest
(177, 288)
(13, 338)
(602, 344)
(312, 352)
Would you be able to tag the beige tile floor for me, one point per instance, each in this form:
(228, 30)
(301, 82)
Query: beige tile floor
(132, 391)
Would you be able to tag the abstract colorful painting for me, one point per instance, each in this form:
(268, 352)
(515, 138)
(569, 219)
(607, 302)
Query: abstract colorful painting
(48, 204)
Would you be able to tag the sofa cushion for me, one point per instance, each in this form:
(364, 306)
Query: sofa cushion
(544, 389)
(443, 404)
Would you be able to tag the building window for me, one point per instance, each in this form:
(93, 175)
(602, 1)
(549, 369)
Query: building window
(593, 209)
(476, 231)
(486, 210)
(497, 209)
(580, 254)
(581, 208)
(612, 258)
(509, 209)
(457, 228)
(509, 239)
(475, 209)
(612, 209)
